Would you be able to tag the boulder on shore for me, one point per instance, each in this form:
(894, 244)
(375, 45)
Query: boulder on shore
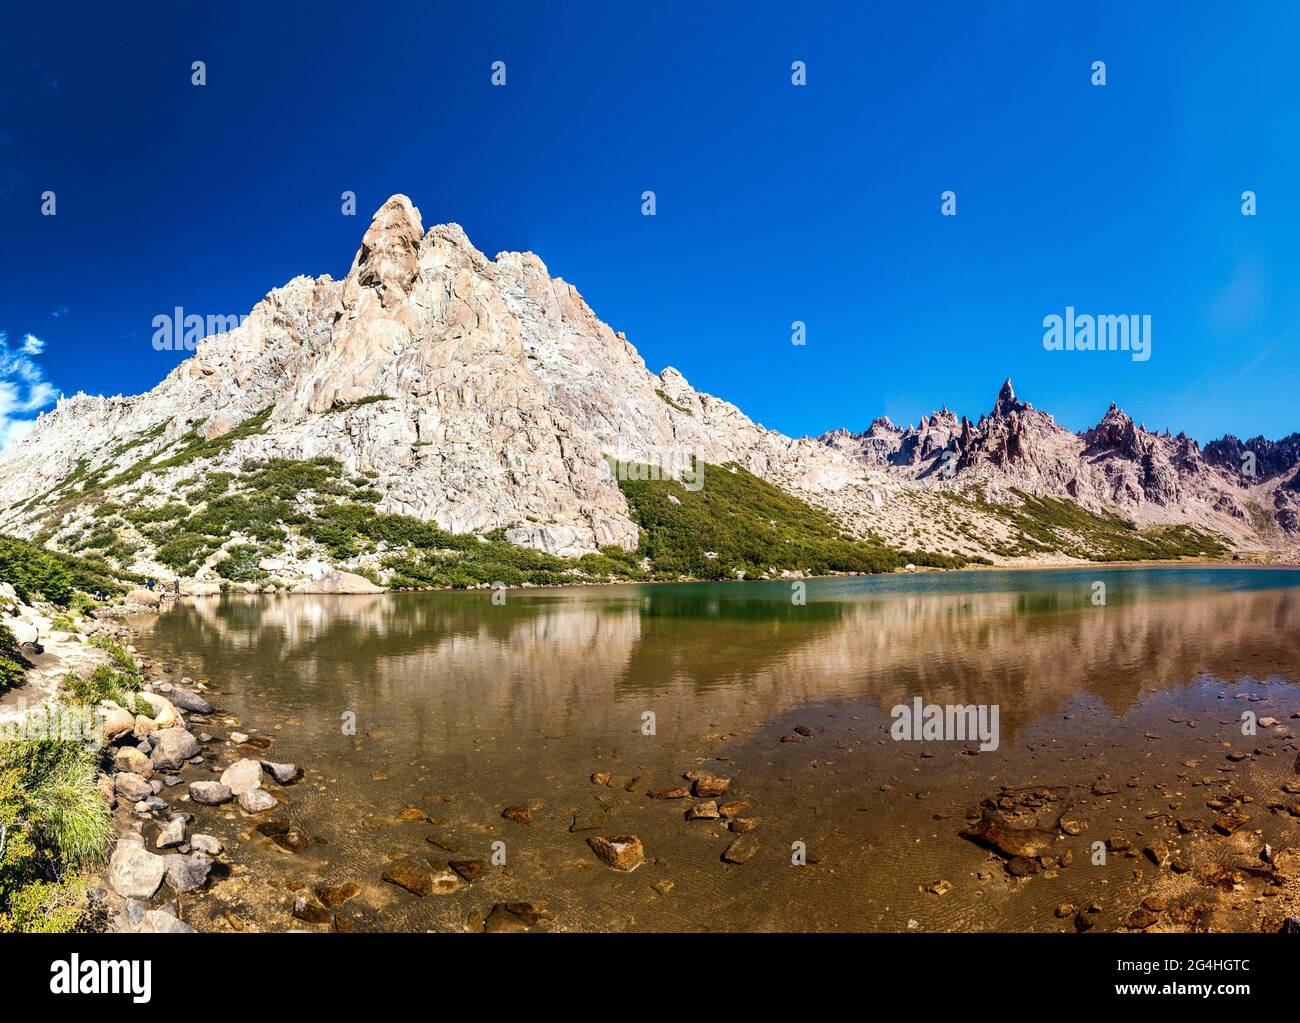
(172, 747)
(134, 872)
(339, 582)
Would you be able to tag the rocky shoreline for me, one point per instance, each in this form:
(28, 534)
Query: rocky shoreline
(157, 788)
(1190, 870)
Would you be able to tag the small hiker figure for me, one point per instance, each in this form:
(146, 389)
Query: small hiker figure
(149, 583)
(176, 586)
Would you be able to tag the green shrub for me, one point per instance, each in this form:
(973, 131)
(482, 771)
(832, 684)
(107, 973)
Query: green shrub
(240, 564)
(13, 666)
(56, 823)
(1050, 524)
(368, 400)
(33, 571)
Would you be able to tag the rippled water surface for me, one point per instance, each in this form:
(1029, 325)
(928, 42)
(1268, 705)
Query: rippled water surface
(463, 708)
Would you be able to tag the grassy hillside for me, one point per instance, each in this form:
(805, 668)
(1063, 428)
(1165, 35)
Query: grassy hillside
(738, 523)
(274, 506)
(1049, 525)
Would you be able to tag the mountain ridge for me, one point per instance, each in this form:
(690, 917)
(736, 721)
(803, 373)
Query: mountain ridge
(485, 397)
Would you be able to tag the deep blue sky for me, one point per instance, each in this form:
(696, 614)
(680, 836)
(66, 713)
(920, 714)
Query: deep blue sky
(775, 203)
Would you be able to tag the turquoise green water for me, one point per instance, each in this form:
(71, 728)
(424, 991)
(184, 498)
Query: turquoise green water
(487, 706)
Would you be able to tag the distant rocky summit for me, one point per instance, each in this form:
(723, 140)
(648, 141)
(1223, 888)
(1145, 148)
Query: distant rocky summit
(1247, 493)
(436, 413)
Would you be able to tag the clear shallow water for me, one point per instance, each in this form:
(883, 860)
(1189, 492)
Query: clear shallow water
(487, 706)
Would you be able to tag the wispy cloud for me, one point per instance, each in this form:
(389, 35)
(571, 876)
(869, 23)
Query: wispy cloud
(60, 312)
(24, 388)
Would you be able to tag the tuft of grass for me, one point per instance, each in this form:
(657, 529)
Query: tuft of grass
(102, 684)
(69, 814)
(56, 824)
(117, 653)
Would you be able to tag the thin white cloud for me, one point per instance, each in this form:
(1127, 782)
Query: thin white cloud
(61, 311)
(23, 387)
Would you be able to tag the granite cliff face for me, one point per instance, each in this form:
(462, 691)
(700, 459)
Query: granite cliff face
(485, 396)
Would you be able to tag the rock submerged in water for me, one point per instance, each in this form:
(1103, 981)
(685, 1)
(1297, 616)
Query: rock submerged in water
(309, 910)
(334, 895)
(741, 850)
(622, 852)
(519, 814)
(415, 878)
(1011, 841)
(172, 834)
(672, 792)
(206, 844)
(470, 870)
(507, 917)
(421, 879)
(707, 786)
(186, 873)
(257, 801)
(210, 793)
(1158, 852)
(192, 702)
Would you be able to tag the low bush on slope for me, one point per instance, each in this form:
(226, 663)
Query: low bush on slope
(12, 663)
(36, 572)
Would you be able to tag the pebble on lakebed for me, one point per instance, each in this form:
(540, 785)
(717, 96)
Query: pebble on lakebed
(622, 852)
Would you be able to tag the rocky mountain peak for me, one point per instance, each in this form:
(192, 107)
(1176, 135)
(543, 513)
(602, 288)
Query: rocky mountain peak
(1007, 402)
(388, 260)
